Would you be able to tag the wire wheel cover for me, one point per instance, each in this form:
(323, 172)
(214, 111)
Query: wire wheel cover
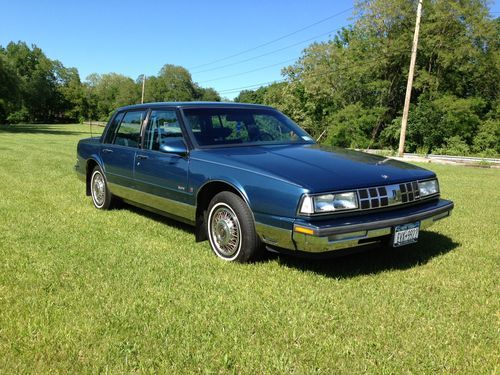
(225, 231)
(98, 189)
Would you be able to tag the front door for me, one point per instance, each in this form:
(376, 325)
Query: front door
(163, 177)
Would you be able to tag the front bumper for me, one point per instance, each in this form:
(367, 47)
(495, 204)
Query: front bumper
(353, 231)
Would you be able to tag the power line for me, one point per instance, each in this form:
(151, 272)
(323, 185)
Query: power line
(376, 58)
(269, 53)
(249, 71)
(274, 40)
(251, 86)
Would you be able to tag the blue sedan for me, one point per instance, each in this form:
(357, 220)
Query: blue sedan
(248, 178)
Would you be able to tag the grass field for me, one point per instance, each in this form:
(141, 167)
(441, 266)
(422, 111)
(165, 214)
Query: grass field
(83, 290)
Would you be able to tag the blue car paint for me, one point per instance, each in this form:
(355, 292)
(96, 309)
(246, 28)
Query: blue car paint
(319, 168)
(271, 178)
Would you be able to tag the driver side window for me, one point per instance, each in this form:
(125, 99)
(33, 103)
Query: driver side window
(162, 126)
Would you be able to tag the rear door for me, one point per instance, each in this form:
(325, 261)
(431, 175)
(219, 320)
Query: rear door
(118, 151)
(163, 176)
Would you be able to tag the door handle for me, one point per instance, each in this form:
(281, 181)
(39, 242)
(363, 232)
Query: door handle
(142, 157)
(107, 150)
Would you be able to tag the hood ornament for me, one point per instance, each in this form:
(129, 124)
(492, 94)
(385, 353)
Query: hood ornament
(384, 176)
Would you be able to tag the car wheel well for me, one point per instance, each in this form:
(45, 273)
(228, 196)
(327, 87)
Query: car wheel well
(91, 164)
(203, 199)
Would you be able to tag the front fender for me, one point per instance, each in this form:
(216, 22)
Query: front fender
(264, 194)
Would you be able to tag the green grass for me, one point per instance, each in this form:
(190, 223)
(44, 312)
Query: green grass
(83, 290)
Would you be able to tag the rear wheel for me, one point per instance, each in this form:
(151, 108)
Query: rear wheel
(101, 196)
(230, 228)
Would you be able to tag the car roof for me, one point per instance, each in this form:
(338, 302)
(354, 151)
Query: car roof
(194, 105)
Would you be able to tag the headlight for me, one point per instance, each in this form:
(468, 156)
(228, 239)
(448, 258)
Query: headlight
(428, 187)
(329, 203)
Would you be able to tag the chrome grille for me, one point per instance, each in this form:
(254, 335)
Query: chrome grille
(389, 195)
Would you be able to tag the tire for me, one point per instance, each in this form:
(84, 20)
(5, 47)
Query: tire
(230, 228)
(101, 196)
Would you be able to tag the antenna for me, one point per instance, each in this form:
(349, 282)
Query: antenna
(90, 125)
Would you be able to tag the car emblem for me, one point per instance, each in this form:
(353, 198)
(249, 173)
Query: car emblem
(384, 176)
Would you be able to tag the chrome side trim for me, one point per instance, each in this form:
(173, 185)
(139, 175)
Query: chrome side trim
(275, 236)
(169, 206)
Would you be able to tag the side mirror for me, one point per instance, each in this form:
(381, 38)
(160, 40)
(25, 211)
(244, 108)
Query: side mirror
(174, 146)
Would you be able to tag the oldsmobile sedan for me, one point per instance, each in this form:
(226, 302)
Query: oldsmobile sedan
(248, 178)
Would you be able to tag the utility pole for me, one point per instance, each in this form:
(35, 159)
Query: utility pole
(404, 120)
(143, 85)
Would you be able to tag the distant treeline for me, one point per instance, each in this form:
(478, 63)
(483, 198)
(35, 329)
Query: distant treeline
(36, 89)
(351, 89)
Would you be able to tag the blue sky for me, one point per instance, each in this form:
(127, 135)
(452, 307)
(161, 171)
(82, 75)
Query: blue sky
(132, 37)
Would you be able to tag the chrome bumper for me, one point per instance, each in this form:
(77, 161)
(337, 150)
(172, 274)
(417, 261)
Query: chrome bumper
(331, 237)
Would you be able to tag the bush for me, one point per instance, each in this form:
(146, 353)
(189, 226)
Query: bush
(352, 126)
(447, 121)
(453, 146)
(21, 116)
(487, 139)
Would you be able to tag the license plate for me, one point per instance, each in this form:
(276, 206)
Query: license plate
(405, 234)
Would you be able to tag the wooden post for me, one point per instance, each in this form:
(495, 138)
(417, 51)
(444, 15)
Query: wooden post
(143, 85)
(409, 85)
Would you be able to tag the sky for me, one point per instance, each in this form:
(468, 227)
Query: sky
(221, 43)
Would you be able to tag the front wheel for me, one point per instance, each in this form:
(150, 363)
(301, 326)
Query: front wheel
(230, 228)
(101, 196)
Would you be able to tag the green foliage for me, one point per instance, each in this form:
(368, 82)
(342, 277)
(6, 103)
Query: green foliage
(110, 91)
(173, 83)
(19, 117)
(487, 139)
(207, 94)
(36, 89)
(432, 123)
(454, 145)
(352, 86)
(252, 96)
(9, 87)
(366, 65)
(351, 126)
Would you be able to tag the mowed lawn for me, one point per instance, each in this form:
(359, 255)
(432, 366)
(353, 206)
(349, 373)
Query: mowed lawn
(83, 290)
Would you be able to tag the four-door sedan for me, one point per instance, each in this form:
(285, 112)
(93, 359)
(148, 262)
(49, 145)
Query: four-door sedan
(248, 178)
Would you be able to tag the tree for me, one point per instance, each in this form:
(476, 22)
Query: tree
(71, 104)
(173, 83)
(207, 94)
(364, 67)
(9, 87)
(107, 92)
(37, 82)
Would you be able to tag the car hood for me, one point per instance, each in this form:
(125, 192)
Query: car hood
(318, 168)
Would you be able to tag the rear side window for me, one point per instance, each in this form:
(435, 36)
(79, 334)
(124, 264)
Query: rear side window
(110, 134)
(129, 131)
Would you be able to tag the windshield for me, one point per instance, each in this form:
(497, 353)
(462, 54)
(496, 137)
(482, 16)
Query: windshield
(242, 126)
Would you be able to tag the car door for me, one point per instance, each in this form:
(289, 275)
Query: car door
(120, 145)
(162, 176)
